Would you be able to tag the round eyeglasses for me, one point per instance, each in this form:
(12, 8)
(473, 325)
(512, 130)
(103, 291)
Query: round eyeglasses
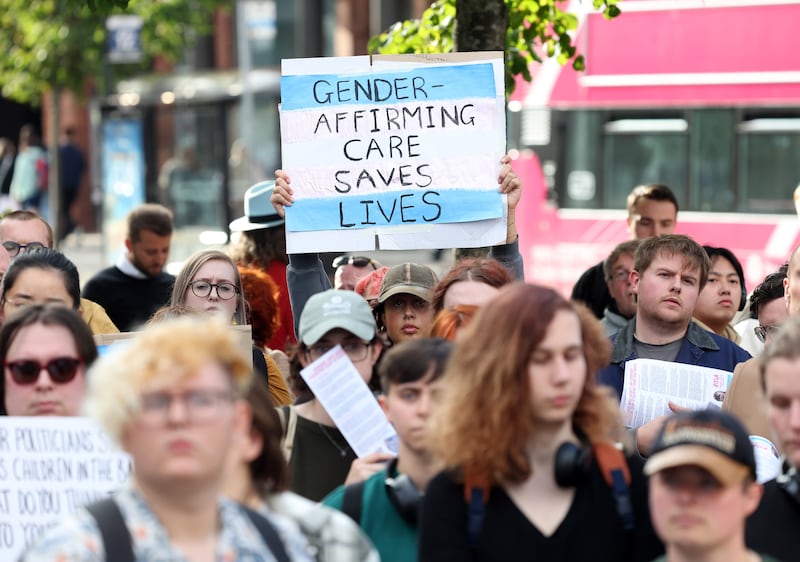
(225, 291)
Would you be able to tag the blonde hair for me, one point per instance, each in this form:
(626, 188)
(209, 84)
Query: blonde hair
(162, 354)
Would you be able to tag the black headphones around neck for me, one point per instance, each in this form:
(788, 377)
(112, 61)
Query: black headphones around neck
(573, 464)
(403, 494)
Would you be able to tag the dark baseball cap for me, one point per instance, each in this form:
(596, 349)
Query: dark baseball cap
(408, 278)
(711, 439)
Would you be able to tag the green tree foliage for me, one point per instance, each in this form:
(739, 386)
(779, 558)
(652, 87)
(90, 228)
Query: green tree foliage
(535, 28)
(56, 44)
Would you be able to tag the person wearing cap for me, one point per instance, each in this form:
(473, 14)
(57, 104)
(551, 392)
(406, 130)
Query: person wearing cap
(261, 243)
(703, 487)
(404, 309)
(773, 528)
(306, 273)
(320, 459)
(136, 286)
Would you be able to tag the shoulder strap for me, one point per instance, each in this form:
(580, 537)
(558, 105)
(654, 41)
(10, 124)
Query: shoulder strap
(288, 416)
(260, 364)
(268, 533)
(114, 532)
(618, 476)
(352, 501)
(476, 494)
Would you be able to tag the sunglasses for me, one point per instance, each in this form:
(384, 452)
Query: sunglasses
(358, 261)
(27, 371)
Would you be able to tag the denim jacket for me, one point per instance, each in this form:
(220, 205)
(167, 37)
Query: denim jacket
(699, 347)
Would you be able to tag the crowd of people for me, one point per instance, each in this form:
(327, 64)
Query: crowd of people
(504, 396)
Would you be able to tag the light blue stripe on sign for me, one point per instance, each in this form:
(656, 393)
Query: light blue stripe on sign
(393, 208)
(416, 85)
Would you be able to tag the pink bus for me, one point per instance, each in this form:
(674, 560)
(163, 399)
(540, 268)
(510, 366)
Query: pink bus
(702, 95)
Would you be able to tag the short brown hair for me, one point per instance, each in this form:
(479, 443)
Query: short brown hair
(694, 256)
(651, 192)
(149, 216)
(27, 215)
(628, 247)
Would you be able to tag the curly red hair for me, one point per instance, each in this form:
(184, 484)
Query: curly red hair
(261, 295)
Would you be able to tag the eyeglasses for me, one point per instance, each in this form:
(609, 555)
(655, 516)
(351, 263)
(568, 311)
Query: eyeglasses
(199, 406)
(27, 371)
(621, 275)
(763, 331)
(225, 291)
(357, 261)
(13, 248)
(356, 351)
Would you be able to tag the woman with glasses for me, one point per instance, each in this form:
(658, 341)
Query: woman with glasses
(46, 350)
(172, 399)
(209, 283)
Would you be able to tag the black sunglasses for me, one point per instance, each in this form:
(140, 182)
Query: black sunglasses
(27, 371)
(358, 261)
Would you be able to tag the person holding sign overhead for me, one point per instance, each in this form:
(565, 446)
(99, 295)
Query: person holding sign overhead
(306, 274)
(45, 350)
(172, 399)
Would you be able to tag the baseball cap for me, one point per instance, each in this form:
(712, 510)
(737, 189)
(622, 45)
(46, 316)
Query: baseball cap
(409, 278)
(258, 211)
(711, 439)
(336, 309)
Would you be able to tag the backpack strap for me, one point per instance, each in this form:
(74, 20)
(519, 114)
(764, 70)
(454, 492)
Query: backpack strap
(113, 531)
(476, 494)
(268, 532)
(618, 476)
(288, 415)
(352, 500)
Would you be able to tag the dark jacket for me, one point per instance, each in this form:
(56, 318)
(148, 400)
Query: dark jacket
(699, 348)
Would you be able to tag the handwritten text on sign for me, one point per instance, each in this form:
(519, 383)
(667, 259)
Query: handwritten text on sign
(48, 468)
(391, 148)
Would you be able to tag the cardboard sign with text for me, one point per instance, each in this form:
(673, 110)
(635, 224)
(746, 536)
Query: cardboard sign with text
(403, 149)
(49, 467)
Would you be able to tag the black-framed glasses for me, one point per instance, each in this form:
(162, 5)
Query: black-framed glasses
(357, 261)
(199, 406)
(355, 350)
(226, 291)
(13, 248)
(762, 332)
(27, 371)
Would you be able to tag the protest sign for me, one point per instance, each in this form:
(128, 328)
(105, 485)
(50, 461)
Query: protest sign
(49, 467)
(348, 400)
(393, 148)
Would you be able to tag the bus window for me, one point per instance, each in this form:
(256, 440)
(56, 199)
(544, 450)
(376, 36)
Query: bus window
(711, 175)
(641, 151)
(769, 169)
